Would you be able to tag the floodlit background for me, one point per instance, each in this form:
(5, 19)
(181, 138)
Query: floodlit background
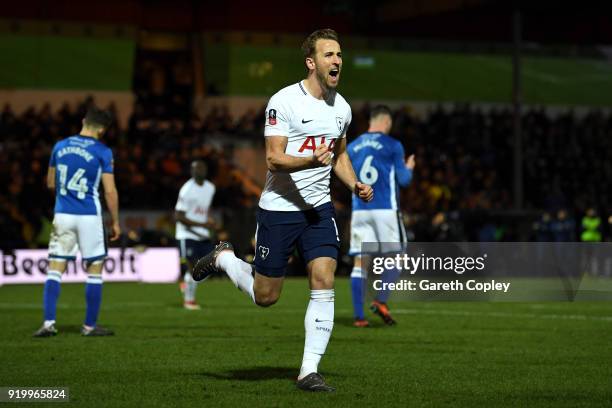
(506, 105)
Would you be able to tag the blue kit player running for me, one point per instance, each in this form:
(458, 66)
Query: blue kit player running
(379, 161)
(305, 134)
(77, 165)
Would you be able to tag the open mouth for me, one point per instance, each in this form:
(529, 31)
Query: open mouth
(334, 73)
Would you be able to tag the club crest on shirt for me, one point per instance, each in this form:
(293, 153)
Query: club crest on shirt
(272, 117)
(339, 122)
(263, 252)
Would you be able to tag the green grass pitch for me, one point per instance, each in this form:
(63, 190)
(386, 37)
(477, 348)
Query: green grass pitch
(234, 354)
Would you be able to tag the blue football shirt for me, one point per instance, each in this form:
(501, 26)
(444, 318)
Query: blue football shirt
(378, 160)
(79, 162)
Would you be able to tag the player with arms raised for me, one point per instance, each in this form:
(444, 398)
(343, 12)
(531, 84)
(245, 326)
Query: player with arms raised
(77, 165)
(305, 136)
(379, 160)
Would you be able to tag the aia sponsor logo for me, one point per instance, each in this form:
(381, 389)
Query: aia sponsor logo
(311, 143)
(199, 211)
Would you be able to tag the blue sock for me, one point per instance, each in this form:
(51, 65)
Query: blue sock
(93, 296)
(357, 289)
(51, 294)
(389, 276)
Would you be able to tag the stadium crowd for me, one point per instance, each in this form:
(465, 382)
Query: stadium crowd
(464, 165)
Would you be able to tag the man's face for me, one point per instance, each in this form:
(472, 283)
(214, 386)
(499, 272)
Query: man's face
(198, 170)
(328, 62)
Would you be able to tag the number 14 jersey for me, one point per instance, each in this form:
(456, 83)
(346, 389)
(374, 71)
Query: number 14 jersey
(79, 162)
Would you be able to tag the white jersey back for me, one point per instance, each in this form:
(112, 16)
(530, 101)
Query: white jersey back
(307, 122)
(194, 200)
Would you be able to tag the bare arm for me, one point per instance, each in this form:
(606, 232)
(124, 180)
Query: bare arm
(181, 216)
(112, 201)
(278, 160)
(344, 170)
(51, 179)
(342, 165)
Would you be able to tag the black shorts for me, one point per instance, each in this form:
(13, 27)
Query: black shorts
(278, 232)
(192, 250)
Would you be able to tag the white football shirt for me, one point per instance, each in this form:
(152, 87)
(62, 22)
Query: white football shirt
(307, 122)
(195, 200)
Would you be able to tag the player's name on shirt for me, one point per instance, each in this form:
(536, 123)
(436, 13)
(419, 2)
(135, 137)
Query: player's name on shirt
(75, 150)
(374, 144)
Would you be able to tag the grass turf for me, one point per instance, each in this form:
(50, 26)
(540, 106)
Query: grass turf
(232, 353)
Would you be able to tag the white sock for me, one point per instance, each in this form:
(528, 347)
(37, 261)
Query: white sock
(238, 271)
(357, 273)
(319, 322)
(49, 323)
(190, 288)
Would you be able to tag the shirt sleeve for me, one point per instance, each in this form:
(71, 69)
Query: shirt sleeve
(347, 122)
(107, 161)
(403, 174)
(278, 117)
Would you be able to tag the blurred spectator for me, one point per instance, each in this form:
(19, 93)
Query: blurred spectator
(464, 156)
(591, 227)
(563, 228)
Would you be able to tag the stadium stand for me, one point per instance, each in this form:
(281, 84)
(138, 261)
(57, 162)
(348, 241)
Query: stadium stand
(464, 164)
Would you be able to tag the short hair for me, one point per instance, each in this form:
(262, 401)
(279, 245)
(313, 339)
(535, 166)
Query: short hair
(98, 118)
(379, 110)
(196, 160)
(310, 43)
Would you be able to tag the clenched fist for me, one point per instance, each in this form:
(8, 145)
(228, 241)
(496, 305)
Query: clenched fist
(322, 155)
(364, 191)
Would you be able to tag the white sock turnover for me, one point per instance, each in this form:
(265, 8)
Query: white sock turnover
(319, 322)
(239, 272)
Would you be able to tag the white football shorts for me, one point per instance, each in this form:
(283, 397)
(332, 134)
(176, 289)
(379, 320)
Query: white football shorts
(72, 232)
(383, 227)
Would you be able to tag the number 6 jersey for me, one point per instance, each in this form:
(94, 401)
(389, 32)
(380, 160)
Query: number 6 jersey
(378, 160)
(79, 162)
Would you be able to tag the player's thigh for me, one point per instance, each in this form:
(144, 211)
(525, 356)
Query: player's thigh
(91, 238)
(275, 240)
(390, 231)
(363, 230)
(63, 239)
(319, 245)
(267, 287)
(320, 238)
(182, 248)
(321, 273)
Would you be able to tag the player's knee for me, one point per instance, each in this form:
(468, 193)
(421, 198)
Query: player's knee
(322, 281)
(94, 267)
(266, 299)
